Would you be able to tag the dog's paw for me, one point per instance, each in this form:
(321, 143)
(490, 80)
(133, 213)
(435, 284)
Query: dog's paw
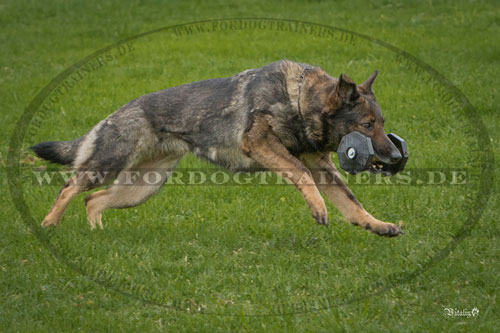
(95, 220)
(381, 228)
(321, 218)
(389, 230)
(47, 222)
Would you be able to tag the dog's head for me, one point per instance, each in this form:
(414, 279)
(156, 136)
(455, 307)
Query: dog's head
(354, 108)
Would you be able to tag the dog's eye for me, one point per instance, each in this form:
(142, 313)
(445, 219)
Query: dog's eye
(367, 125)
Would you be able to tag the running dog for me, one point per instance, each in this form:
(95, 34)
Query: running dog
(283, 116)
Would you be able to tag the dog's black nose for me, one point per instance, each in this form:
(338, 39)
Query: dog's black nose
(395, 156)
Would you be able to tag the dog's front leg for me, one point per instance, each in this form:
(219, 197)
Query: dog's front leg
(328, 180)
(265, 148)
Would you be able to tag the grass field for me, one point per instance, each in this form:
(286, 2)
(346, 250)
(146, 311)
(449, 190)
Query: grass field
(247, 257)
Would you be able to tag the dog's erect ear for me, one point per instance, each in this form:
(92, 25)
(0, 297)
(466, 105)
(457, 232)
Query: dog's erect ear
(345, 91)
(367, 85)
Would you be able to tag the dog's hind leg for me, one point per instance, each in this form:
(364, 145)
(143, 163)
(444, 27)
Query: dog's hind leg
(132, 187)
(71, 189)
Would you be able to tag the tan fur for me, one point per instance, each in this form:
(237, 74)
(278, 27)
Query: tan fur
(329, 182)
(122, 195)
(70, 190)
(262, 145)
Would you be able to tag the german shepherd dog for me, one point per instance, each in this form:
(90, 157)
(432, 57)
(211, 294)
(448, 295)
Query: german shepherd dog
(283, 116)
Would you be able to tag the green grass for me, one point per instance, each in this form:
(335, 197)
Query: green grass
(234, 258)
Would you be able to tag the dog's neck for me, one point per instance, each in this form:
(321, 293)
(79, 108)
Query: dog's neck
(299, 83)
(313, 106)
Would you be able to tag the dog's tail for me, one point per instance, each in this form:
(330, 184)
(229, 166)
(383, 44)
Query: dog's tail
(61, 152)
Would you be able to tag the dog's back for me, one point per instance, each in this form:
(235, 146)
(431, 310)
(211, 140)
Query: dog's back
(206, 117)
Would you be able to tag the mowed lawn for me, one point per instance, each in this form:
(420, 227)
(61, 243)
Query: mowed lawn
(250, 257)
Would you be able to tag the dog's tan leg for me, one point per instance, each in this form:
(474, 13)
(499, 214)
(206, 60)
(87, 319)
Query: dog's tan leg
(131, 188)
(265, 148)
(328, 180)
(70, 190)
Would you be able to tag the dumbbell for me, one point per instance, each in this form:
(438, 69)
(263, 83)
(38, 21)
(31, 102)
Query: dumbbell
(390, 169)
(356, 154)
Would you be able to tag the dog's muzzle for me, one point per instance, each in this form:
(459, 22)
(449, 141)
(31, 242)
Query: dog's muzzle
(356, 154)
